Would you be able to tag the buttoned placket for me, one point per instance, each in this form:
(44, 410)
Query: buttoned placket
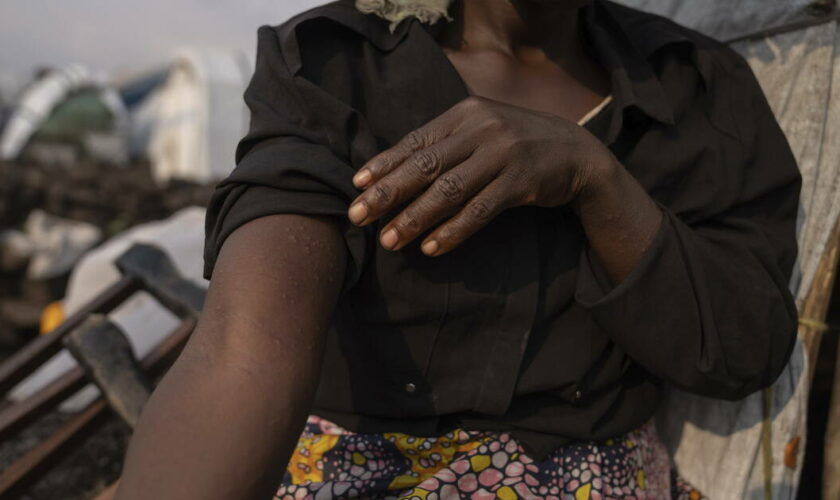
(501, 373)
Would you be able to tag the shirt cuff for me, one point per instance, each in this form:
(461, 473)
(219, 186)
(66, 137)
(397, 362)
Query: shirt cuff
(644, 312)
(596, 292)
(704, 316)
(245, 203)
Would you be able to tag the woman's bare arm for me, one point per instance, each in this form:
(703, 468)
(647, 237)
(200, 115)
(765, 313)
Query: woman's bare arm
(224, 421)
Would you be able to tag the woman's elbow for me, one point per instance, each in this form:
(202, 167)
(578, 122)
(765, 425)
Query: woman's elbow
(751, 367)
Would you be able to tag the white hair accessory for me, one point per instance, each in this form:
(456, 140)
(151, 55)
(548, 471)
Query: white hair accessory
(427, 11)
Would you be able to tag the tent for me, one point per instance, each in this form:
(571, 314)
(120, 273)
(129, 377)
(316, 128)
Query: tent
(190, 124)
(71, 106)
(747, 449)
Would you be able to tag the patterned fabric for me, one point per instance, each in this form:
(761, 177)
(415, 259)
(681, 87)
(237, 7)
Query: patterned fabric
(330, 462)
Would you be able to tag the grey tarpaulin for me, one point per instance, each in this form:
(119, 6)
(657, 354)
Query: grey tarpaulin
(731, 19)
(718, 445)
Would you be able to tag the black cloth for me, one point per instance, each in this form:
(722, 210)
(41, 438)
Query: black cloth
(519, 329)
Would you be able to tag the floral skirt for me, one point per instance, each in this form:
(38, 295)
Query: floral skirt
(330, 462)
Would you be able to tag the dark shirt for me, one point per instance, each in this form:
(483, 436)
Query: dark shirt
(519, 329)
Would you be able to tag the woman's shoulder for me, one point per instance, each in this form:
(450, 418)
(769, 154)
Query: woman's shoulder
(692, 68)
(332, 31)
(657, 37)
(362, 70)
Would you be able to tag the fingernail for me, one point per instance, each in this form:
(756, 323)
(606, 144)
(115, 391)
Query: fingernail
(362, 178)
(358, 213)
(389, 239)
(430, 247)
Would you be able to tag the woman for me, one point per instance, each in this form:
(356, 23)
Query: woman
(471, 252)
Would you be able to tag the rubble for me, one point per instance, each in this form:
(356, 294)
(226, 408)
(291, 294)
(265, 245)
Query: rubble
(56, 244)
(107, 198)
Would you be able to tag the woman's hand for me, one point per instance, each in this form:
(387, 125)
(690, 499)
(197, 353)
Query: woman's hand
(476, 160)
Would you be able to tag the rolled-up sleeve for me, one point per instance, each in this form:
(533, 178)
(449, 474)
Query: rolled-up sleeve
(708, 307)
(294, 159)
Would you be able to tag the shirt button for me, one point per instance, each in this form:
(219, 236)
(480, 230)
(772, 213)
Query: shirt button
(409, 387)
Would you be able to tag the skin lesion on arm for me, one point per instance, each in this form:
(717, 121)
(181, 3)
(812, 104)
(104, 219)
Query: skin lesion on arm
(224, 421)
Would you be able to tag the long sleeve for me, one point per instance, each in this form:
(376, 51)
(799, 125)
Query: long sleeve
(708, 308)
(295, 158)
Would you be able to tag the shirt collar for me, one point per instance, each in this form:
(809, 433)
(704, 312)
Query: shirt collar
(623, 39)
(344, 13)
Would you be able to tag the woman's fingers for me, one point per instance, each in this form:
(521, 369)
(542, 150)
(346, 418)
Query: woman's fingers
(495, 198)
(444, 197)
(424, 137)
(412, 176)
(438, 162)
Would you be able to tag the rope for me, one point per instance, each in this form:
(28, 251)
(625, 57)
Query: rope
(816, 324)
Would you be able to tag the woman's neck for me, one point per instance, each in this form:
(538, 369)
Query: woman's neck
(515, 27)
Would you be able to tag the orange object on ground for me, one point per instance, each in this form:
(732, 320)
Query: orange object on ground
(51, 317)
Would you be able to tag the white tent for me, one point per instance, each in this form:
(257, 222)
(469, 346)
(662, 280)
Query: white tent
(195, 119)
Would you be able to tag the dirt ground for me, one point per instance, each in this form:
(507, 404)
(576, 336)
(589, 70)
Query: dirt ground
(88, 469)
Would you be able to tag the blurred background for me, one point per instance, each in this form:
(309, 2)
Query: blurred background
(118, 117)
(135, 107)
(116, 120)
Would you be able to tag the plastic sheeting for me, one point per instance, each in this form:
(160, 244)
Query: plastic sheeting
(39, 100)
(717, 444)
(730, 19)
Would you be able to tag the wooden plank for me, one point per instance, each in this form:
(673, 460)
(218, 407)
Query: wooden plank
(831, 440)
(35, 353)
(17, 416)
(101, 347)
(40, 459)
(831, 450)
(813, 311)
